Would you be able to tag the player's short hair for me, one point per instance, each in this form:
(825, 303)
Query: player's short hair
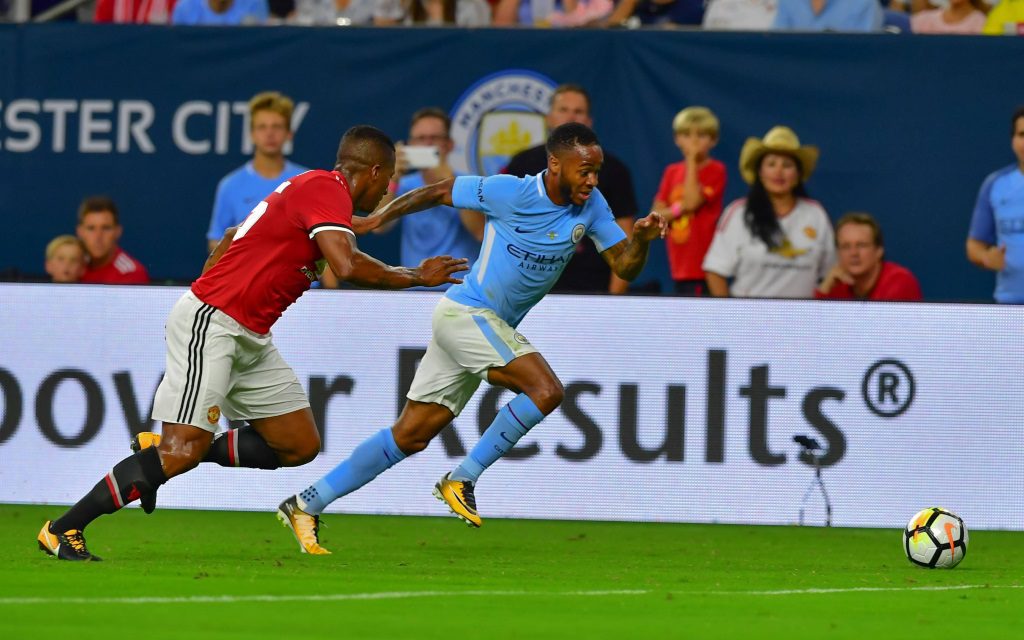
(272, 101)
(866, 219)
(570, 87)
(568, 136)
(94, 204)
(60, 241)
(432, 112)
(365, 145)
(699, 119)
(1018, 113)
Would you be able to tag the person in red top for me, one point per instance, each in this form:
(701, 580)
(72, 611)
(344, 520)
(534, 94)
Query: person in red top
(690, 197)
(99, 229)
(860, 273)
(134, 11)
(220, 357)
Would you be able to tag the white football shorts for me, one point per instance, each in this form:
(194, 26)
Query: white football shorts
(466, 343)
(216, 366)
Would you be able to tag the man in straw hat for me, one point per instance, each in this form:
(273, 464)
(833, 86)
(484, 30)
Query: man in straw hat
(776, 242)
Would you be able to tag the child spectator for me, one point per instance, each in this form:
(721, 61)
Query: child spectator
(690, 198)
(65, 259)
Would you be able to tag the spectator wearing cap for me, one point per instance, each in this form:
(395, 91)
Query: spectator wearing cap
(776, 242)
(861, 272)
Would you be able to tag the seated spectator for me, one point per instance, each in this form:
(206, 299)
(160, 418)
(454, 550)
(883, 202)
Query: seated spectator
(829, 15)
(659, 12)
(65, 259)
(776, 242)
(1006, 18)
(331, 12)
(861, 273)
(134, 11)
(270, 127)
(220, 12)
(959, 16)
(464, 13)
(740, 15)
(99, 229)
(690, 198)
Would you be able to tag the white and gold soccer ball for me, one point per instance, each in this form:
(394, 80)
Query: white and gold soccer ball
(935, 538)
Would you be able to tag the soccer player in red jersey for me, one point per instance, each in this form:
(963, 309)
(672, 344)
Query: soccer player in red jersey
(220, 358)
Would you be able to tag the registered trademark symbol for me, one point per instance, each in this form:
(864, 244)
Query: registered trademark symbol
(888, 388)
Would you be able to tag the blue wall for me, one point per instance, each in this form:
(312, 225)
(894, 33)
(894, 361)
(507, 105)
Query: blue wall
(908, 126)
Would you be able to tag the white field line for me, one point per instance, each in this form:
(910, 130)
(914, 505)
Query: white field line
(328, 597)
(400, 595)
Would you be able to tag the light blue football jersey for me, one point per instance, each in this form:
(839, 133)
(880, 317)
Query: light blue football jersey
(527, 242)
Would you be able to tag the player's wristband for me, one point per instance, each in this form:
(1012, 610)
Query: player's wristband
(676, 209)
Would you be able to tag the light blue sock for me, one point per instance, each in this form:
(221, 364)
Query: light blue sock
(375, 455)
(512, 422)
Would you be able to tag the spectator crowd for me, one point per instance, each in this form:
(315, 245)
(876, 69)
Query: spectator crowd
(775, 242)
(993, 17)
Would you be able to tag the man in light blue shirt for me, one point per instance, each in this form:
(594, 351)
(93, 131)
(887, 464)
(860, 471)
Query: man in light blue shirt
(533, 225)
(440, 230)
(829, 15)
(270, 125)
(220, 13)
(996, 238)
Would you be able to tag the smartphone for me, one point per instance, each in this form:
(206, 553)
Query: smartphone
(421, 157)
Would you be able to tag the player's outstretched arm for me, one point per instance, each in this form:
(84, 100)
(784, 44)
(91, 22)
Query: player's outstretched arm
(627, 258)
(425, 197)
(220, 249)
(351, 265)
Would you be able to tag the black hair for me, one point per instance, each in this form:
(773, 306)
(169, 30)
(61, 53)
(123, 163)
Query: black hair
(365, 145)
(1017, 115)
(760, 215)
(569, 135)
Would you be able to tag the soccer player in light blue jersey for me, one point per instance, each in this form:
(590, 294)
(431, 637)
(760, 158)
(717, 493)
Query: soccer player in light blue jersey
(533, 225)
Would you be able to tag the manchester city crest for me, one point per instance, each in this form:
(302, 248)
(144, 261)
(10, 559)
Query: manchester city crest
(577, 233)
(496, 118)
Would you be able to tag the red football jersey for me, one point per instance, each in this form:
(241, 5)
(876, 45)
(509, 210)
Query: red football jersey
(123, 269)
(894, 282)
(272, 259)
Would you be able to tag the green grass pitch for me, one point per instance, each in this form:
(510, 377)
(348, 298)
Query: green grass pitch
(205, 574)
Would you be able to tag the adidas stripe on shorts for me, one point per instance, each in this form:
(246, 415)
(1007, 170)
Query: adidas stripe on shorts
(215, 367)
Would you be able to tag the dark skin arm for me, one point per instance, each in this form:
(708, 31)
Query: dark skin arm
(425, 197)
(627, 258)
(352, 265)
(220, 249)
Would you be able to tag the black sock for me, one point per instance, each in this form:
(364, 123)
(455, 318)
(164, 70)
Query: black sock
(137, 474)
(242, 447)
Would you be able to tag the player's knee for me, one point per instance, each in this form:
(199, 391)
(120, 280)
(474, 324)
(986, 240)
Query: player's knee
(548, 396)
(304, 452)
(409, 442)
(178, 460)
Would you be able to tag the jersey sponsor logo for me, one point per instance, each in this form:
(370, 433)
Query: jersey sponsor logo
(213, 414)
(577, 233)
(309, 273)
(497, 117)
(532, 261)
(520, 230)
(787, 250)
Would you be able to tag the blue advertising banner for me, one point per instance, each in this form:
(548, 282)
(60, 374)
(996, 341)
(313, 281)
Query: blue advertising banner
(908, 127)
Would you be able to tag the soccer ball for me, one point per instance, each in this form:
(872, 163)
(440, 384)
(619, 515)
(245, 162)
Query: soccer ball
(935, 538)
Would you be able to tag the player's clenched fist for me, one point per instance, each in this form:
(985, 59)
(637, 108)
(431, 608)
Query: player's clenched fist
(439, 270)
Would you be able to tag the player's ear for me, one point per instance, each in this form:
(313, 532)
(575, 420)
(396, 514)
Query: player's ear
(554, 164)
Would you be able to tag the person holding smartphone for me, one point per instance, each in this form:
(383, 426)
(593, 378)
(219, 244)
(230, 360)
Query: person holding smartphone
(424, 160)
